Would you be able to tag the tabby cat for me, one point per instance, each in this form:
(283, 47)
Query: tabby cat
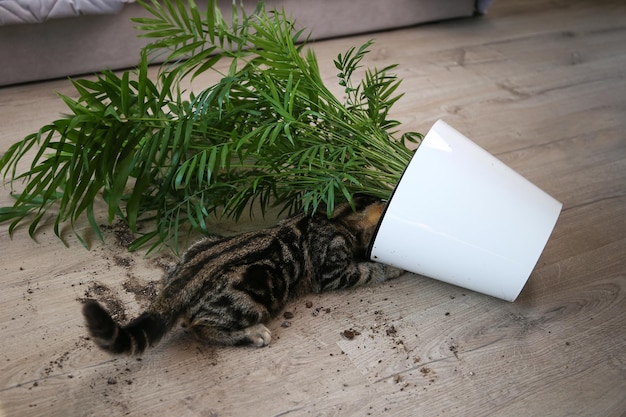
(224, 289)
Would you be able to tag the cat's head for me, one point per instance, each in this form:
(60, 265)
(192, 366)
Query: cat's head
(364, 218)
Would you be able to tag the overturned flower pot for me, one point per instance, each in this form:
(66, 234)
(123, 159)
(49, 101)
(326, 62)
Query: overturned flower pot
(461, 216)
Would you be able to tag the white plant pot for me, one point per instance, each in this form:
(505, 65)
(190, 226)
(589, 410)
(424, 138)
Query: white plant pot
(461, 216)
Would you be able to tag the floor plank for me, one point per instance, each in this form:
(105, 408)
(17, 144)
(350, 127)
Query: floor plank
(538, 84)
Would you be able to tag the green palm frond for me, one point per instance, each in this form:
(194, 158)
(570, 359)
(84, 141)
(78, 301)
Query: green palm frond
(269, 131)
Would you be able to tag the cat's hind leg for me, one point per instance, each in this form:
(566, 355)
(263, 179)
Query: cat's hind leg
(256, 335)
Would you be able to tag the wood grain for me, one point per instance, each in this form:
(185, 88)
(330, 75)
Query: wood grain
(541, 85)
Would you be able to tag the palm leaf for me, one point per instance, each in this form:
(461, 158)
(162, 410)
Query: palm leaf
(268, 132)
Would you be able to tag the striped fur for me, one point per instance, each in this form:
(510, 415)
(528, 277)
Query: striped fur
(225, 289)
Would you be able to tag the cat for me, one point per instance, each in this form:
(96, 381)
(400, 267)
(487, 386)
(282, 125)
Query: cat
(224, 289)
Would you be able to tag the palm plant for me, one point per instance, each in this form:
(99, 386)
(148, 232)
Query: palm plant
(269, 131)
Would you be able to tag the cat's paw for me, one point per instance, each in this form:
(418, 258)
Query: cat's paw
(258, 335)
(392, 272)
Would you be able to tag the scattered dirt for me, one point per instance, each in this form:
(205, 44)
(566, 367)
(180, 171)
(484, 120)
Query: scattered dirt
(112, 382)
(144, 291)
(123, 235)
(123, 261)
(391, 331)
(56, 363)
(454, 348)
(318, 310)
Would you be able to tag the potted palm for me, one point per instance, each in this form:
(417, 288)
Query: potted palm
(268, 133)
(460, 215)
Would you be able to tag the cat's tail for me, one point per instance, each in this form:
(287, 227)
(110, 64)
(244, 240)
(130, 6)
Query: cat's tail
(141, 333)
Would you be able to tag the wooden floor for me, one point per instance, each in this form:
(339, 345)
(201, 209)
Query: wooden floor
(541, 85)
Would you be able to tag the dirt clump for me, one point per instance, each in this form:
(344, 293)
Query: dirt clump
(350, 333)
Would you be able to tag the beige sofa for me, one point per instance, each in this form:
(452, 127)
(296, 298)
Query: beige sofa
(79, 40)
